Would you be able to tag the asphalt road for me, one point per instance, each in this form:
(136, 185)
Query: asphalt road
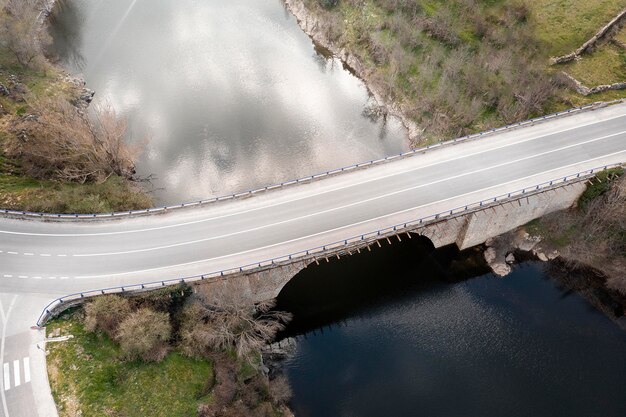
(41, 260)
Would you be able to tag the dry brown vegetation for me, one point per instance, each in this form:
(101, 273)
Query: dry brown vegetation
(58, 141)
(21, 31)
(454, 66)
(223, 317)
(594, 234)
(145, 334)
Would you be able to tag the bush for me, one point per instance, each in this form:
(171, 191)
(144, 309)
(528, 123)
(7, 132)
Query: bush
(21, 32)
(280, 391)
(60, 142)
(144, 335)
(222, 317)
(105, 314)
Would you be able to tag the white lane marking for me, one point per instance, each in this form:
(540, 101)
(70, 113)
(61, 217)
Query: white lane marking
(62, 255)
(22, 276)
(6, 381)
(16, 373)
(326, 231)
(28, 254)
(26, 370)
(44, 254)
(36, 277)
(12, 253)
(8, 276)
(7, 377)
(308, 195)
(191, 242)
(64, 277)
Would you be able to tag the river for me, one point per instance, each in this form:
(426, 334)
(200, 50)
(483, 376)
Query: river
(409, 331)
(233, 96)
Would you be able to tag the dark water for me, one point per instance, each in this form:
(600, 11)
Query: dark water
(406, 331)
(232, 93)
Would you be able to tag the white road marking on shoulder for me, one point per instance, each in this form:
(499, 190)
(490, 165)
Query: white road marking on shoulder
(311, 195)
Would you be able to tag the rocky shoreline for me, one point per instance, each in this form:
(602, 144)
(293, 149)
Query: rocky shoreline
(502, 252)
(310, 24)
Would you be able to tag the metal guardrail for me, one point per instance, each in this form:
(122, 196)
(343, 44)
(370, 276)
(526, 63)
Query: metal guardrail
(304, 254)
(304, 179)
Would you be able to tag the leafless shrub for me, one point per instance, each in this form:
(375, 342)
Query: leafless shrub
(106, 313)
(222, 317)
(21, 32)
(280, 390)
(60, 142)
(144, 334)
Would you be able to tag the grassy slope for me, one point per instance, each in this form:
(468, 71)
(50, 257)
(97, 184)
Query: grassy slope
(88, 379)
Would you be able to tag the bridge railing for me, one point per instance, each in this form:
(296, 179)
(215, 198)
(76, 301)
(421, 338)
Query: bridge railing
(319, 250)
(303, 179)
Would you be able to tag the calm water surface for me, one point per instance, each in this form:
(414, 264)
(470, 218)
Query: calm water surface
(406, 332)
(232, 93)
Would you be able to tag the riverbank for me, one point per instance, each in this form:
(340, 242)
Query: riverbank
(585, 245)
(455, 68)
(37, 97)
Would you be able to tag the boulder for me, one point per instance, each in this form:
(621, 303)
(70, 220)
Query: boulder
(510, 259)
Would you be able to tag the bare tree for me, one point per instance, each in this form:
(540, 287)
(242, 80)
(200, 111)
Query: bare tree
(21, 31)
(222, 316)
(58, 141)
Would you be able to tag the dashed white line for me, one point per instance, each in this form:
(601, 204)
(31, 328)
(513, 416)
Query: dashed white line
(12, 253)
(8, 276)
(28, 254)
(44, 254)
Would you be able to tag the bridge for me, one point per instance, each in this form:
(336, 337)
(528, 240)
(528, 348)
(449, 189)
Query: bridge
(463, 191)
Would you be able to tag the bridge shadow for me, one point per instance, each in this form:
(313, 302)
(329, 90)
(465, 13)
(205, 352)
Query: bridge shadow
(334, 291)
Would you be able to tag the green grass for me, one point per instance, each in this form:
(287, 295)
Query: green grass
(24, 193)
(606, 65)
(598, 187)
(564, 25)
(88, 378)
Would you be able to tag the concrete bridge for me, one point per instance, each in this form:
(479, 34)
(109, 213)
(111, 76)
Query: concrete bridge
(464, 192)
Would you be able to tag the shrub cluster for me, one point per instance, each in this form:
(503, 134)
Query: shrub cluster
(454, 66)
